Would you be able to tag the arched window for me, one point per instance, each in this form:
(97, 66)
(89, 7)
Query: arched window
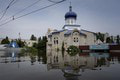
(55, 40)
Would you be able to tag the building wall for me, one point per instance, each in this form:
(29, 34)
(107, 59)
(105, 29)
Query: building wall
(72, 40)
(90, 39)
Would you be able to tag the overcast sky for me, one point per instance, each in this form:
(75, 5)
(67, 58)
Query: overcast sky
(93, 15)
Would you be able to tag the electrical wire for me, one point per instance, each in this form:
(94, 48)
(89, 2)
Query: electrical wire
(6, 9)
(53, 1)
(33, 12)
(11, 5)
(22, 10)
(7, 6)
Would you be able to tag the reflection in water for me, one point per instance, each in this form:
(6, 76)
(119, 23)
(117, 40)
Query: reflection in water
(72, 67)
(13, 57)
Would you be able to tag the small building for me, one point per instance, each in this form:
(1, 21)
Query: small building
(70, 34)
(29, 43)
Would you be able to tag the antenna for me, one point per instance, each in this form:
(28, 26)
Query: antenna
(19, 36)
(70, 3)
(70, 7)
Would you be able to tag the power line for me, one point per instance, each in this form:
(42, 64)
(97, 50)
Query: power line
(53, 1)
(7, 9)
(33, 12)
(23, 10)
(8, 5)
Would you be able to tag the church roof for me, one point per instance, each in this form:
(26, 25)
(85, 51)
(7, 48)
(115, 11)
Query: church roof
(69, 32)
(87, 31)
(57, 32)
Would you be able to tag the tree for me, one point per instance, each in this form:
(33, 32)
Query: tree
(33, 37)
(118, 39)
(108, 40)
(112, 41)
(100, 36)
(39, 39)
(5, 41)
(42, 44)
(73, 50)
(35, 45)
(20, 43)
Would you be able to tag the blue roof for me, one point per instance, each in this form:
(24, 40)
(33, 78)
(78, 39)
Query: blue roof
(69, 32)
(13, 45)
(88, 31)
(50, 35)
(57, 32)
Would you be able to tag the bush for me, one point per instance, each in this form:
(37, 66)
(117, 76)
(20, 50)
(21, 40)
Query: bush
(73, 50)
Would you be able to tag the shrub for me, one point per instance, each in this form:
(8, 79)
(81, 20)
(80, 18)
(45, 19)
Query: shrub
(73, 50)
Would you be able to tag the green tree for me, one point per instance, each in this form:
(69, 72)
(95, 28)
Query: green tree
(100, 36)
(118, 39)
(73, 50)
(42, 44)
(112, 41)
(35, 45)
(39, 39)
(5, 41)
(33, 37)
(108, 40)
(20, 43)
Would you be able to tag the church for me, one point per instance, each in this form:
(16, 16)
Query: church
(70, 34)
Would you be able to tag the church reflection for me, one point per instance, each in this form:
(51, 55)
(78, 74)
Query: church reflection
(74, 66)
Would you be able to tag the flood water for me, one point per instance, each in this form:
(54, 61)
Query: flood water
(59, 66)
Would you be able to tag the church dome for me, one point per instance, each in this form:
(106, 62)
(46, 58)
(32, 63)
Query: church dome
(70, 14)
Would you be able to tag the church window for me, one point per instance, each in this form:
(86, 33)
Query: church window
(75, 39)
(55, 40)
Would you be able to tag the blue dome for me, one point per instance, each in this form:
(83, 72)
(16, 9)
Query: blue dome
(70, 14)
